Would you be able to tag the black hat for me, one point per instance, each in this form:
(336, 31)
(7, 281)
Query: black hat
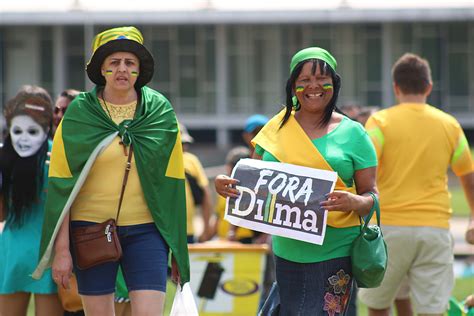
(120, 39)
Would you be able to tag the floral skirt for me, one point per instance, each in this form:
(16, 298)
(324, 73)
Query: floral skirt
(321, 288)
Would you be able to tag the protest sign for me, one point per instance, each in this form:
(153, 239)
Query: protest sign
(281, 199)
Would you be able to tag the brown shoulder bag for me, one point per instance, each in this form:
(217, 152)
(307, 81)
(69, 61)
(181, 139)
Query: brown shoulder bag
(99, 243)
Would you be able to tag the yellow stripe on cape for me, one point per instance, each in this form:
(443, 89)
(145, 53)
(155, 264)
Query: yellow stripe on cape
(59, 167)
(175, 167)
(290, 144)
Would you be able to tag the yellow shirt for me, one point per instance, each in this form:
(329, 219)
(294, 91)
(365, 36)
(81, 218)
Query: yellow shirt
(223, 227)
(98, 198)
(415, 144)
(193, 167)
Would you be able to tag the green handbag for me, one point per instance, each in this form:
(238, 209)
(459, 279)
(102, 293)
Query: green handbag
(369, 251)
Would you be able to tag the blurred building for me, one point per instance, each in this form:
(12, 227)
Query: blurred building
(219, 61)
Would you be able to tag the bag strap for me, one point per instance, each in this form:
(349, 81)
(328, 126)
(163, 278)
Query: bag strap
(128, 166)
(375, 208)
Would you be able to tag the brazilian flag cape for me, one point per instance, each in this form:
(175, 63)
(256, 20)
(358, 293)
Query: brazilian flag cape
(85, 131)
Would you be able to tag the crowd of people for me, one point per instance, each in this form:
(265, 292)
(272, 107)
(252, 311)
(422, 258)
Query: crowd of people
(118, 152)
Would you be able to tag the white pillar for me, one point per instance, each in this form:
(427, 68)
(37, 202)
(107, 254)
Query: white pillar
(387, 56)
(88, 37)
(223, 134)
(23, 62)
(59, 66)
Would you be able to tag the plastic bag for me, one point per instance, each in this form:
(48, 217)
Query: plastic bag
(183, 303)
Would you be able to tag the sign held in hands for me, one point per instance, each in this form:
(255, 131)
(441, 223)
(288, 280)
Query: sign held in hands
(281, 199)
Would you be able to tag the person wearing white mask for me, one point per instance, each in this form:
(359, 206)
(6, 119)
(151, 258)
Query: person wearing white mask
(24, 168)
(26, 135)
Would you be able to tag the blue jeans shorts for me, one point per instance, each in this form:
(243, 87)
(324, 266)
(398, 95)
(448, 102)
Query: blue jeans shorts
(321, 288)
(144, 262)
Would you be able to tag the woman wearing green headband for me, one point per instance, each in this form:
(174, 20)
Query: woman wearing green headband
(317, 279)
(120, 123)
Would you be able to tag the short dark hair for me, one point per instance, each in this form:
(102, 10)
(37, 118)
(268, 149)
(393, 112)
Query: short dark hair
(412, 74)
(70, 94)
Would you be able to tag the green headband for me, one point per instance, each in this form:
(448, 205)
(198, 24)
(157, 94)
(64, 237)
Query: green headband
(313, 53)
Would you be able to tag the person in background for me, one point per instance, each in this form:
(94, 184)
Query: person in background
(365, 113)
(119, 119)
(60, 107)
(310, 131)
(224, 229)
(402, 301)
(253, 125)
(24, 172)
(416, 143)
(351, 110)
(197, 190)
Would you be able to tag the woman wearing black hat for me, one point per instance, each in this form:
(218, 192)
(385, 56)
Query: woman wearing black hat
(119, 120)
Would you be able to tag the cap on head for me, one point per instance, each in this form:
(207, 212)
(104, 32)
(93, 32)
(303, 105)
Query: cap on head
(120, 39)
(313, 53)
(254, 121)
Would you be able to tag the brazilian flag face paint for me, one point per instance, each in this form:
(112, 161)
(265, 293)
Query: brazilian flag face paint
(108, 72)
(327, 86)
(134, 73)
(299, 89)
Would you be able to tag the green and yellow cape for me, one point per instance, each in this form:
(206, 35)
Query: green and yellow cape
(85, 132)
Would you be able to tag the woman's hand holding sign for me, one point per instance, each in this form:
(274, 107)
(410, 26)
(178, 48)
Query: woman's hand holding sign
(225, 186)
(362, 202)
(346, 202)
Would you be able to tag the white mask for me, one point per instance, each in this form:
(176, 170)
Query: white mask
(27, 136)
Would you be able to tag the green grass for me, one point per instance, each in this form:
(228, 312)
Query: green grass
(462, 288)
(459, 202)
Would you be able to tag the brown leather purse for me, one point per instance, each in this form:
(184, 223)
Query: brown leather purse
(99, 243)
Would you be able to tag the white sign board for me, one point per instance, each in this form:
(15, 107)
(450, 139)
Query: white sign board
(281, 199)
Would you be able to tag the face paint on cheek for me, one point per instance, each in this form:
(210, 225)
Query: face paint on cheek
(299, 89)
(134, 73)
(327, 86)
(108, 72)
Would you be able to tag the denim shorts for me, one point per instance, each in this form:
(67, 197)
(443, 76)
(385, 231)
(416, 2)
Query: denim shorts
(144, 262)
(321, 288)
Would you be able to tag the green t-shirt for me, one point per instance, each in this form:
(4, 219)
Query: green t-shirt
(347, 148)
